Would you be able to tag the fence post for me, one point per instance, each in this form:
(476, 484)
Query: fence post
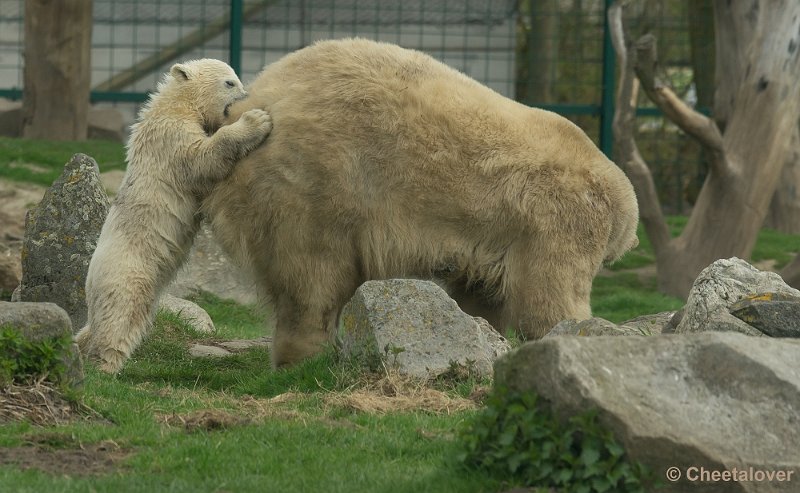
(235, 43)
(607, 103)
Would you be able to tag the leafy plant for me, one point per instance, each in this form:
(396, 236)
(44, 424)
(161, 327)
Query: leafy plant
(22, 359)
(515, 439)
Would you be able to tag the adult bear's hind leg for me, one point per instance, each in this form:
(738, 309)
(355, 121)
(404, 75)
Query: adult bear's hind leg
(307, 307)
(302, 330)
(475, 302)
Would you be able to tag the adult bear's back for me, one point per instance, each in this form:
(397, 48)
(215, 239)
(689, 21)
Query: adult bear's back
(361, 125)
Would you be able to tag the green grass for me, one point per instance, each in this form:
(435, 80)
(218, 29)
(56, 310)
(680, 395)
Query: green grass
(371, 454)
(233, 320)
(770, 245)
(41, 161)
(774, 245)
(643, 255)
(624, 295)
(306, 446)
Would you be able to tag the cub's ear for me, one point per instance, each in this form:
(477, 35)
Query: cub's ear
(180, 71)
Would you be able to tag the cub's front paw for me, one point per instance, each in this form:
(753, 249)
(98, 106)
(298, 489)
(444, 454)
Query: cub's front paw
(258, 119)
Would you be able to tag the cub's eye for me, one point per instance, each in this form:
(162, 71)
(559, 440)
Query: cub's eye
(229, 83)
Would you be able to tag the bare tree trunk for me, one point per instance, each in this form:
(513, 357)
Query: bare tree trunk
(537, 50)
(791, 273)
(57, 69)
(759, 107)
(784, 210)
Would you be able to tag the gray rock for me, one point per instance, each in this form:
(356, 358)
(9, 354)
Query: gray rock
(245, 344)
(498, 344)
(36, 321)
(718, 286)
(774, 314)
(673, 322)
(592, 327)
(210, 269)
(42, 321)
(221, 349)
(650, 325)
(204, 351)
(61, 235)
(414, 325)
(189, 312)
(713, 400)
(106, 123)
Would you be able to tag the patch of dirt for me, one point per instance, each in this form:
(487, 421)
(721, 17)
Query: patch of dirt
(205, 420)
(15, 200)
(75, 460)
(32, 167)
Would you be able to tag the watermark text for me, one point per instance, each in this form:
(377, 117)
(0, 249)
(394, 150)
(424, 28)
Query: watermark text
(739, 475)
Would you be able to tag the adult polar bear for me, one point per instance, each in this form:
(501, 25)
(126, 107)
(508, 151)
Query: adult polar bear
(386, 163)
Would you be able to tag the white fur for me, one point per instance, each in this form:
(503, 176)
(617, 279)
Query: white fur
(178, 150)
(386, 163)
(383, 163)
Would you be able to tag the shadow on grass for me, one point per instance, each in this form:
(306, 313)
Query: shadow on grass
(163, 358)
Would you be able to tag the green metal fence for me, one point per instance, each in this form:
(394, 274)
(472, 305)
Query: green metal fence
(549, 53)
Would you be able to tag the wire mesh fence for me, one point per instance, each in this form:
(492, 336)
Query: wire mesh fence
(548, 53)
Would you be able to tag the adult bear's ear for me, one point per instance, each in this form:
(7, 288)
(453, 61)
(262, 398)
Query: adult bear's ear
(180, 71)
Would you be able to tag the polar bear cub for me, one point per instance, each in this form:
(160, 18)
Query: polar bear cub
(178, 150)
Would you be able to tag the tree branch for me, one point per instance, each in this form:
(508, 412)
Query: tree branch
(699, 126)
(626, 151)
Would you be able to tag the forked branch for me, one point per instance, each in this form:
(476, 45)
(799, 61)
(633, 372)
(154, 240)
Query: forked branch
(694, 123)
(626, 150)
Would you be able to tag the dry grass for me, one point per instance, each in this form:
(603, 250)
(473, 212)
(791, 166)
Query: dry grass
(40, 403)
(395, 392)
(240, 411)
(391, 392)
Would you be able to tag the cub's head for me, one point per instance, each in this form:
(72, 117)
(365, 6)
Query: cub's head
(211, 84)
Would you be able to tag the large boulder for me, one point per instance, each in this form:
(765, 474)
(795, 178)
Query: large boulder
(710, 401)
(595, 326)
(646, 325)
(210, 269)
(417, 327)
(106, 123)
(44, 321)
(719, 286)
(190, 312)
(60, 236)
(774, 314)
